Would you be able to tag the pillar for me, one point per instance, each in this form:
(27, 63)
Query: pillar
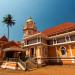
(71, 53)
(57, 54)
(39, 54)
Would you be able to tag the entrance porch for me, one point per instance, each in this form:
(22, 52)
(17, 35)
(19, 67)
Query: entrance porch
(12, 53)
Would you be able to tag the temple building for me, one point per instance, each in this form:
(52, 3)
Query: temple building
(53, 45)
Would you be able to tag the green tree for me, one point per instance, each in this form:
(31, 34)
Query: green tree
(8, 20)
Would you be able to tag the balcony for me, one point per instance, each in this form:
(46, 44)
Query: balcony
(62, 40)
(35, 41)
(66, 39)
(32, 41)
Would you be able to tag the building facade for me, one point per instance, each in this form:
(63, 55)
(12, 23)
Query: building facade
(10, 49)
(54, 45)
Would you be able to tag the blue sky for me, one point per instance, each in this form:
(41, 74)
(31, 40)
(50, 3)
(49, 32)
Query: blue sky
(45, 13)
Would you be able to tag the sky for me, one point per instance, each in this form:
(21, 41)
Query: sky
(45, 13)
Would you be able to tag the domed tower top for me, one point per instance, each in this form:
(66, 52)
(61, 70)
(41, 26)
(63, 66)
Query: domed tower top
(30, 24)
(29, 27)
(30, 19)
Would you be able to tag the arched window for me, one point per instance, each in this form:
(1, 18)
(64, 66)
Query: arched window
(63, 50)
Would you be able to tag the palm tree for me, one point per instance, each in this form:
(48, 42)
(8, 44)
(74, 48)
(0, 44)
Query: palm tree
(8, 20)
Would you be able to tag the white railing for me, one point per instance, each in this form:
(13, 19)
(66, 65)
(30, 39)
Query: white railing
(22, 64)
(63, 43)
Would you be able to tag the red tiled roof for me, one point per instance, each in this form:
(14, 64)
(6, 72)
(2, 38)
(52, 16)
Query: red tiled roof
(3, 38)
(59, 29)
(10, 44)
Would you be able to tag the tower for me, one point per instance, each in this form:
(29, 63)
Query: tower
(29, 27)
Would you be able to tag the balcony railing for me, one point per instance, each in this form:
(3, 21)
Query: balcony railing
(62, 40)
(34, 41)
(31, 41)
(53, 41)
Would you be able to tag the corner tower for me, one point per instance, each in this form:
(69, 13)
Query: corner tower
(29, 27)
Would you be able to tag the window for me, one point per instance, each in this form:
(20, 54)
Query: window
(61, 40)
(30, 32)
(67, 38)
(50, 42)
(72, 37)
(38, 39)
(63, 50)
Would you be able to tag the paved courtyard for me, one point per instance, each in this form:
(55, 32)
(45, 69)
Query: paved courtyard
(48, 70)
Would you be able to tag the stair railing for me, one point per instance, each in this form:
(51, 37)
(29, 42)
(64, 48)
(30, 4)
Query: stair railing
(22, 63)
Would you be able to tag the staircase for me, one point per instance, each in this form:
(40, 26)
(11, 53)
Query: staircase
(21, 64)
(9, 65)
(31, 64)
(3, 65)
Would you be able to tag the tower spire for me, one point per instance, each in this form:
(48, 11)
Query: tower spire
(30, 27)
(30, 17)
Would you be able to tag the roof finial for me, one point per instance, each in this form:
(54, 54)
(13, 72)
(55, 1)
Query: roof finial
(29, 19)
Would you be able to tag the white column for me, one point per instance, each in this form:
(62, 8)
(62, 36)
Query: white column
(71, 53)
(56, 40)
(40, 39)
(57, 54)
(39, 55)
(69, 38)
(65, 39)
(53, 41)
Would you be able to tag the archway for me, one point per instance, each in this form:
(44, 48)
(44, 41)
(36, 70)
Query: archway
(63, 50)
(32, 52)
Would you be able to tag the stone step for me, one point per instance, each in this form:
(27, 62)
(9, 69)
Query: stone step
(31, 65)
(9, 65)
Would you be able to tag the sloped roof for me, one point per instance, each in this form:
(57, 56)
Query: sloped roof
(10, 44)
(59, 29)
(3, 38)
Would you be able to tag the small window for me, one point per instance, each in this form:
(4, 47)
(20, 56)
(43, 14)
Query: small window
(30, 32)
(63, 50)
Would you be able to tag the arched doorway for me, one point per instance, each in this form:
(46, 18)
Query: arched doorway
(32, 52)
(63, 51)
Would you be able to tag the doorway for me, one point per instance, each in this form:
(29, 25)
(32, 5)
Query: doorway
(9, 54)
(32, 52)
